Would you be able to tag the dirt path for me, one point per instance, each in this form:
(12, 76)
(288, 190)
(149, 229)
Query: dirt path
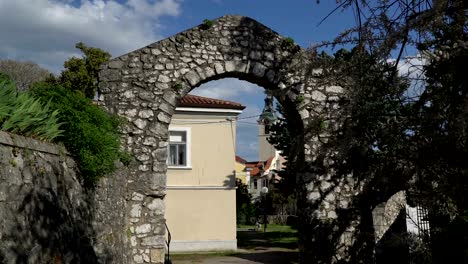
(276, 246)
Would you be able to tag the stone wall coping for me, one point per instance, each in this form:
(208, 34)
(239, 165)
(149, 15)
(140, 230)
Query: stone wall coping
(14, 140)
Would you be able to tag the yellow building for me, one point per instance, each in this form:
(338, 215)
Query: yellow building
(241, 173)
(201, 196)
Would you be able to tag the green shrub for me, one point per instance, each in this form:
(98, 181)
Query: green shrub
(287, 43)
(90, 134)
(22, 114)
(207, 23)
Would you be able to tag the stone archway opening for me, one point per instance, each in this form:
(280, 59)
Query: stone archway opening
(204, 132)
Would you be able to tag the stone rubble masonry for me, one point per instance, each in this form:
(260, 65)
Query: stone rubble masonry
(46, 216)
(144, 86)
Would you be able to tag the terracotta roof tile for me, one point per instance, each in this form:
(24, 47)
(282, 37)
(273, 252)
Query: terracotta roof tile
(205, 102)
(240, 160)
(256, 167)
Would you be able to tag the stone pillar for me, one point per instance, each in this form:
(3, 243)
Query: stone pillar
(146, 228)
(336, 225)
(336, 214)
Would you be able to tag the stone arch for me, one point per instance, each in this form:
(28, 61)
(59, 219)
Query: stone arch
(145, 86)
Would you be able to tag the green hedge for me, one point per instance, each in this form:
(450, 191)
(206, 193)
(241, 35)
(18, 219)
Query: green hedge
(90, 134)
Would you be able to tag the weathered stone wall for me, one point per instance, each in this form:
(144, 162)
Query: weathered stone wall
(46, 216)
(145, 86)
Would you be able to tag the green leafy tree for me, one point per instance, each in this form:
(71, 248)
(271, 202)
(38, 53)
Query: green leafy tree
(81, 74)
(414, 138)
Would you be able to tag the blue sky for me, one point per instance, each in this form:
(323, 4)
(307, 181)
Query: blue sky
(45, 32)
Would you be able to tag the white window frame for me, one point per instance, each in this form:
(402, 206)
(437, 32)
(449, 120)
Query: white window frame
(187, 131)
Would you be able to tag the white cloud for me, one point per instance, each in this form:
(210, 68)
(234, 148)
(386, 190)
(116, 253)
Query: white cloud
(228, 89)
(46, 31)
(248, 149)
(412, 68)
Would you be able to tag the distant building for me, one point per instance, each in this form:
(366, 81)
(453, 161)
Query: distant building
(241, 173)
(263, 172)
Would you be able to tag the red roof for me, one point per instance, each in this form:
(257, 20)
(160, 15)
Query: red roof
(256, 167)
(240, 160)
(253, 167)
(205, 102)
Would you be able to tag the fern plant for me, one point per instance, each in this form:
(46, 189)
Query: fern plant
(22, 114)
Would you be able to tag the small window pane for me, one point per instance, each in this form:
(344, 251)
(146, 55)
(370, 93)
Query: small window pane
(172, 154)
(177, 148)
(182, 155)
(177, 137)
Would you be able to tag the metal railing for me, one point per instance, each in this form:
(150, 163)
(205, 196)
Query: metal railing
(168, 243)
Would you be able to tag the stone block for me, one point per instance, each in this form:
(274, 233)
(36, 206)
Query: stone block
(219, 68)
(3, 193)
(332, 215)
(164, 117)
(158, 129)
(150, 141)
(135, 212)
(143, 229)
(160, 154)
(137, 196)
(255, 55)
(153, 241)
(258, 69)
(167, 108)
(110, 75)
(235, 66)
(164, 78)
(313, 196)
(145, 113)
(209, 72)
(170, 97)
(334, 89)
(318, 96)
(140, 123)
(159, 166)
(193, 78)
(156, 206)
(270, 75)
(157, 255)
(116, 64)
(138, 259)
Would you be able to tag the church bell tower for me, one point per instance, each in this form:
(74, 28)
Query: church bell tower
(266, 119)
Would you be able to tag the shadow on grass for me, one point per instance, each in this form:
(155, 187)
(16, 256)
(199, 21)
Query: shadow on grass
(273, 239)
